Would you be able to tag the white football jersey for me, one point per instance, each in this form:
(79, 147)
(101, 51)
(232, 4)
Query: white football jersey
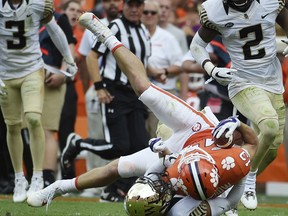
(250, 39)
(19, 41)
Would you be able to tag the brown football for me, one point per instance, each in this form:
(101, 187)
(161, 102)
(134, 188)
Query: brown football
(222, 141)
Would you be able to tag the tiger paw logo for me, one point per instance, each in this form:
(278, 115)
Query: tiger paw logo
(177, 184)
(214, 177)
(228, 163)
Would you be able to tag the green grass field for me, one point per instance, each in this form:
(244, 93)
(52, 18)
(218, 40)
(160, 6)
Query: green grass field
(76, 206)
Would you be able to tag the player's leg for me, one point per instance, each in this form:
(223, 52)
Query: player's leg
(11, 108)
(125, 167)
(33, 97)
(50, 121)
(277, 101)
(255, 104)
(126, 60)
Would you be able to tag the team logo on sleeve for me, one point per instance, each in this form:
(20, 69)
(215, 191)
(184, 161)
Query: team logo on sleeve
(197, 127)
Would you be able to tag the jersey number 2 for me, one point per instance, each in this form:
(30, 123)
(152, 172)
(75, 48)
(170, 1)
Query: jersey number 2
(11, 44)
(257, 31)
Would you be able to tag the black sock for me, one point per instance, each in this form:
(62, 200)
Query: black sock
(48, 177)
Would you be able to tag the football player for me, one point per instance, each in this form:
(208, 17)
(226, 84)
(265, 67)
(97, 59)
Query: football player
(22, 73)
(188, 125)
(247, 28)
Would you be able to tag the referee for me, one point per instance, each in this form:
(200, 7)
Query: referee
(123, 115)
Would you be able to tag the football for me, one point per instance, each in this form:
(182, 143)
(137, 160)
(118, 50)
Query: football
(224, 142)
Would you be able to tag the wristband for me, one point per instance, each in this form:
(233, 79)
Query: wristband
(98, 85)
(208, 66)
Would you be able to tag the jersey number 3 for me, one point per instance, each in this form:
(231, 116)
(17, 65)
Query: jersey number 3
(19, 39)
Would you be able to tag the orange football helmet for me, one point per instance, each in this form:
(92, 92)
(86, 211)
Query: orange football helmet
(194, 173)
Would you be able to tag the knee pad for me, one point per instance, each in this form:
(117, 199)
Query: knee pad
(33, 120)
(126, 169)
(269, 128)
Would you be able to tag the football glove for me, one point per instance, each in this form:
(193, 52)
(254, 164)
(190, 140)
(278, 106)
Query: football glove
(157, 145)
(223, 75)
(285, 52)
(229, 124)
(72, 68)
(170, 159)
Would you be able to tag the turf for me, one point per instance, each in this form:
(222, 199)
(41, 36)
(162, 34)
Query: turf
(268, 206)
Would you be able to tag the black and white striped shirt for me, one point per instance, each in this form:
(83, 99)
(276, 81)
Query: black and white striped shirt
(133, 37)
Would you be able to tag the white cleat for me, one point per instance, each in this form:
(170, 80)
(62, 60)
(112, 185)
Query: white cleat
(92, 23)
(45, 196)
(20, 190)
(249, 200)
(36, 185)
(232, 212)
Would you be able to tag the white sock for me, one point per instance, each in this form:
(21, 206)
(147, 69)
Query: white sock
(112, 43)
(37, 174)
(250, 184)
(69, 185)
(19, 175)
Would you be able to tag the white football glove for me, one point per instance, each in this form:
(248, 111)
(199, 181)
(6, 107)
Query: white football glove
(230, 123)
(72, 68)
(170, 159)
(285, 52)
(223, 75)
(157, 145)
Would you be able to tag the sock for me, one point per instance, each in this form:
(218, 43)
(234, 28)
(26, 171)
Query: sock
(250, 184)
(48, 177)
(19, 175)
(68, 186)
(37, 174)
(112, 43)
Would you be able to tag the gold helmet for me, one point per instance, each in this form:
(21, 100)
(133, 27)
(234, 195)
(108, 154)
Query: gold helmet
(148, 197)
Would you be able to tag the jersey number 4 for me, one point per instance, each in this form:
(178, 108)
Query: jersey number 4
(19, 39)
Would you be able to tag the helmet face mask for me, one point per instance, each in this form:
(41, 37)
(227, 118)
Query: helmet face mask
(148, 197)
(239, 5)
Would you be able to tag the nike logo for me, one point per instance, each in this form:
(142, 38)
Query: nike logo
(28, 15)
(263, 16)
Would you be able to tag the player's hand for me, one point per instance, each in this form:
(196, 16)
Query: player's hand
(229, 124)
(170, 159)
(157, 145)
(72, 68)
(223, 75)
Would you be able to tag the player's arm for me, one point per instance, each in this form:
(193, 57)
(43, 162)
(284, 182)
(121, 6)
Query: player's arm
(282, 19)
(59, 39)
(250, 139)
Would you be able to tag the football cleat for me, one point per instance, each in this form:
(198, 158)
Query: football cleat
(70, 151)
(20, 190)
(36, 185)
(232, 212)
(45, 196)
(92, 23)
(249, 200)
